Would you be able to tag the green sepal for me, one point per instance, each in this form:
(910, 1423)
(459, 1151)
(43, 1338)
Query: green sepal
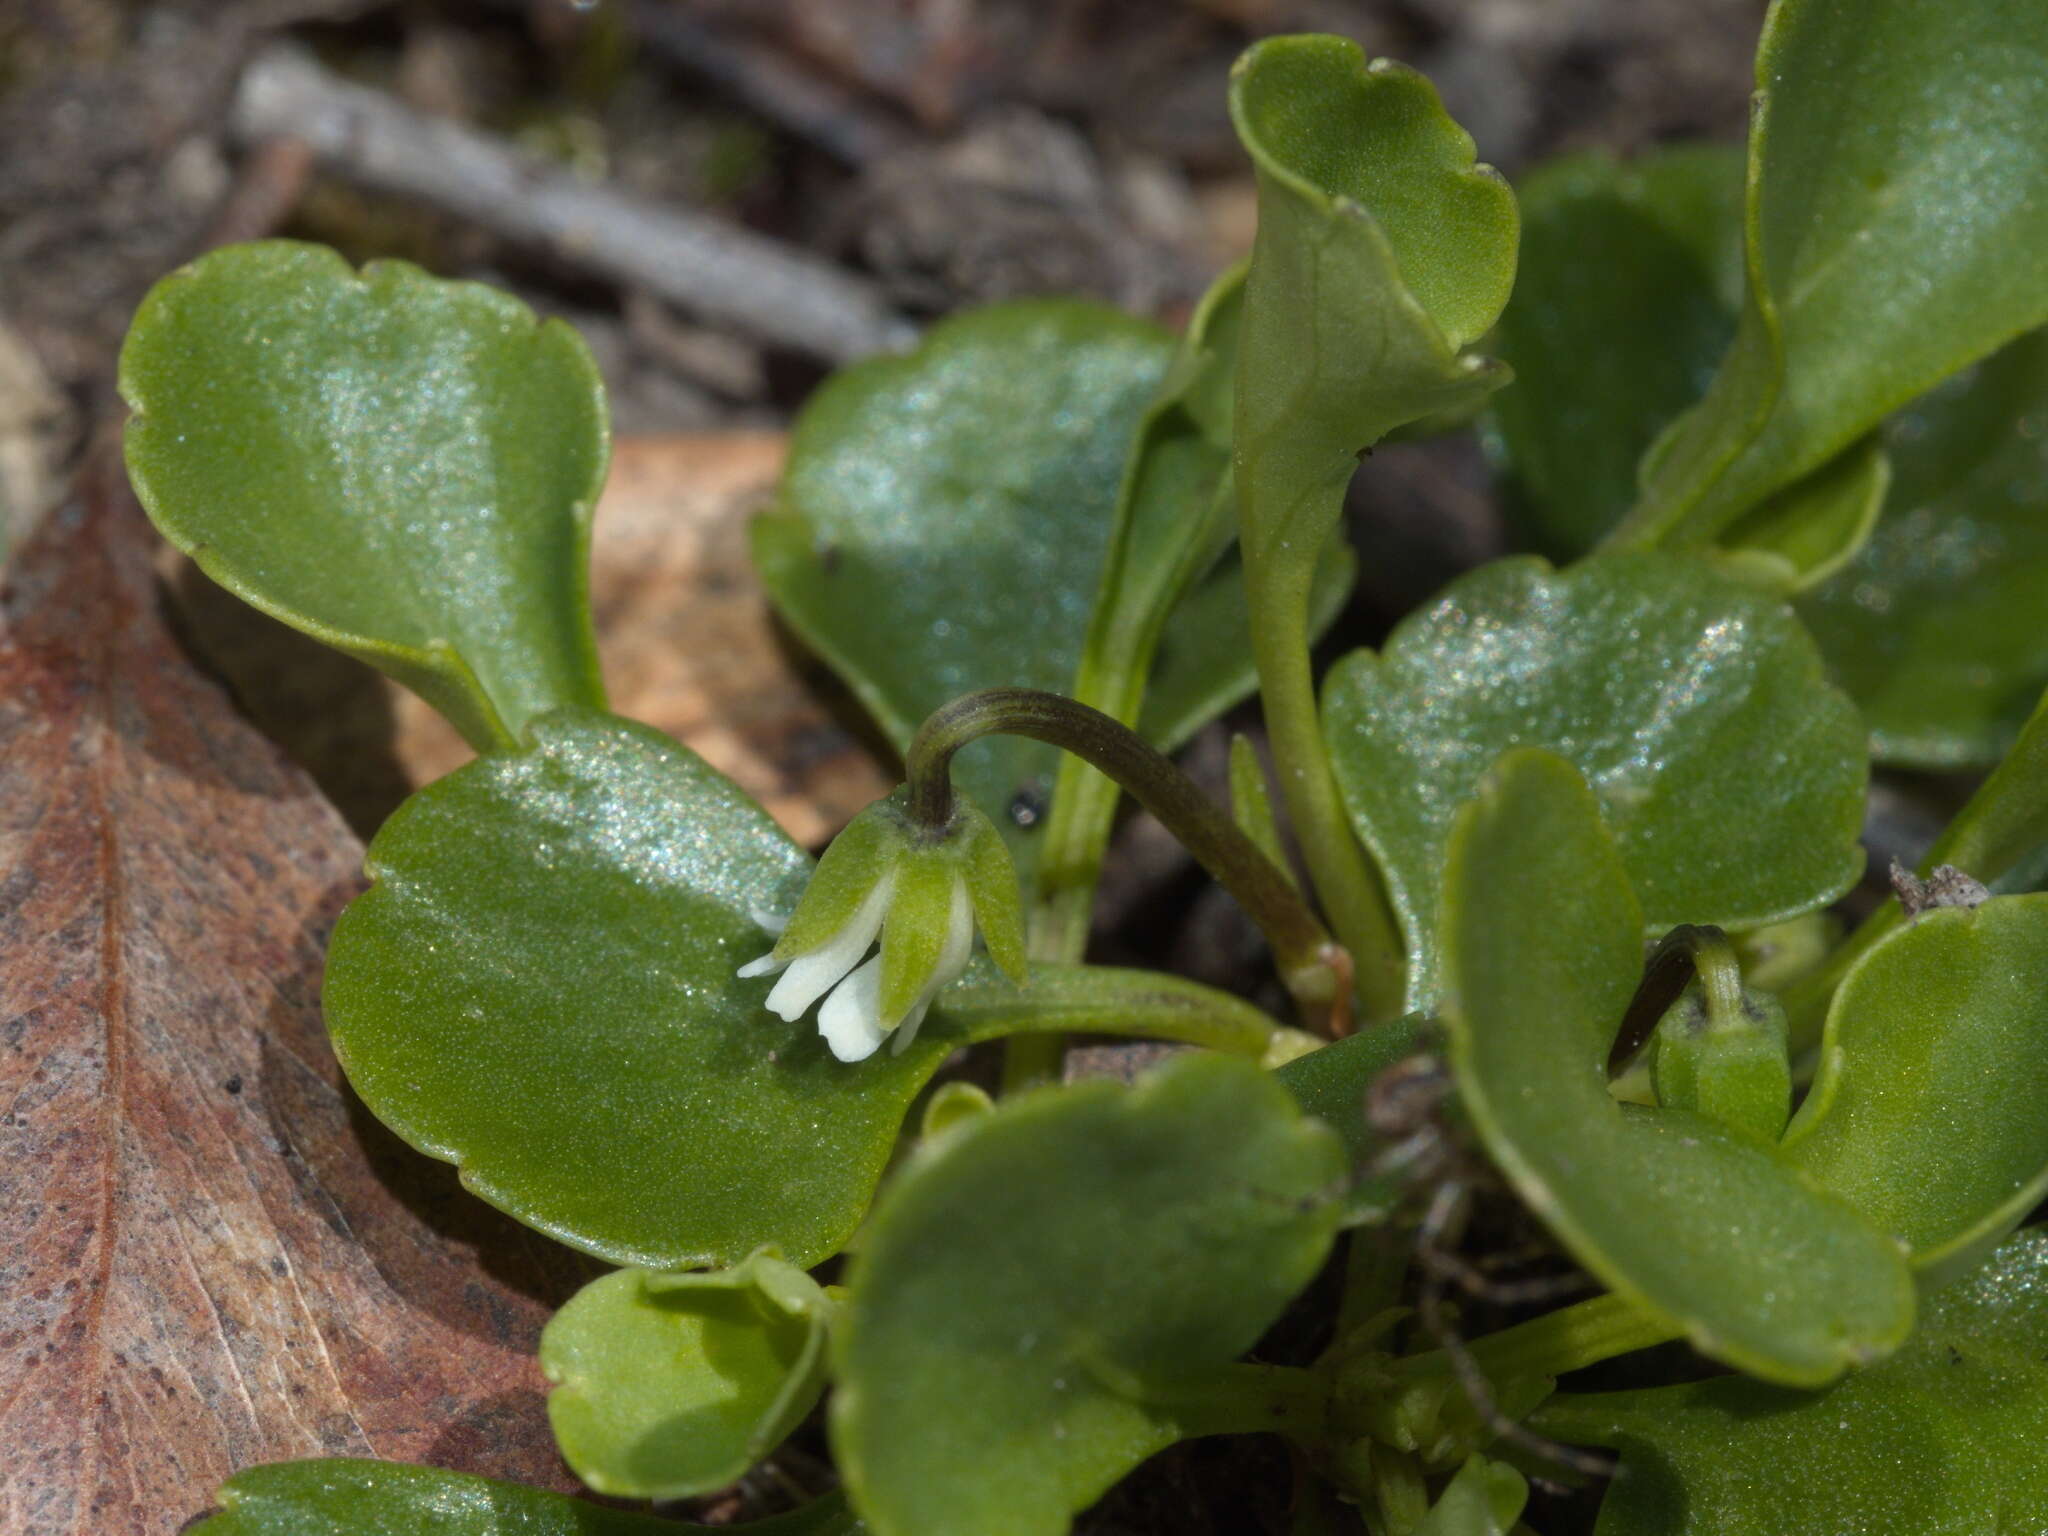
(953, 1104)
(402, 467)
(1727, 1063)
(669, 1385)
(866, 851)
(984, 860)
(915, 933)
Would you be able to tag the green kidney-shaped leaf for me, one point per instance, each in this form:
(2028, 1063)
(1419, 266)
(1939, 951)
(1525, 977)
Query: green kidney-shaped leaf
(1898, 186)
(1927, 1112)
(1731, 772)
(1677, 1215)
(1053, 1292)
(1382, 249)
(1630, 279)
(402, 467)
(342, 1497)
(1947, 1438)
(541, 987)
(1934, 628)
(670, 1385)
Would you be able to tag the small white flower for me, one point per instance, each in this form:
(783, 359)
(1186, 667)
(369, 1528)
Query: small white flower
(921, 897)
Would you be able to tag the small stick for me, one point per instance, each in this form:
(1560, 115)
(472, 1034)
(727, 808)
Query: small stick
(768, 290)
(819, 111)
(269, 187)
(1432, 1247)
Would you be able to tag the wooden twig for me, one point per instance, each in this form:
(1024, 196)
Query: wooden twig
(711, 268)
(802, 102)
(272, 181)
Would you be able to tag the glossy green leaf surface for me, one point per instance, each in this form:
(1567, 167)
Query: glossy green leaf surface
(1947, 1438)
(1678, 1216)
(1934, 628)
(343, 1497)
(1053, 1292)
(1898, 174)
(1731, 772)
(1382, 249)
(1927, 1112)
(1625, 299)
(540, 987)
(670, 1385)
(400, 466)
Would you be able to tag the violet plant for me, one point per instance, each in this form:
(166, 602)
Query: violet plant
(1572, 835)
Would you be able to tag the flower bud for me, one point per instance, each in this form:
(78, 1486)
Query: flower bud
(1726, 1058)
(922, 894)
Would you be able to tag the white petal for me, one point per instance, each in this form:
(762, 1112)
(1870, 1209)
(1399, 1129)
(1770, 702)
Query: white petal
(904, 1033)
(850, 1021)
(959, 946)
(769, 921)
(767, 965)
(811, 976)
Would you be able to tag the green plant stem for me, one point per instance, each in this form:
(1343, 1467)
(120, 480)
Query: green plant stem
(1569, 1339)
(1169, 1008)
(1310, 963)
(1249, 1399)
(1347, 886)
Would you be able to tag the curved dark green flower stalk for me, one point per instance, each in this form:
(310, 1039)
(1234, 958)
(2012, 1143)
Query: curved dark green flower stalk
(1314, 966)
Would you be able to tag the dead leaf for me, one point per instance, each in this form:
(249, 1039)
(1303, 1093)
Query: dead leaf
(688, 640)
(210, 1256)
